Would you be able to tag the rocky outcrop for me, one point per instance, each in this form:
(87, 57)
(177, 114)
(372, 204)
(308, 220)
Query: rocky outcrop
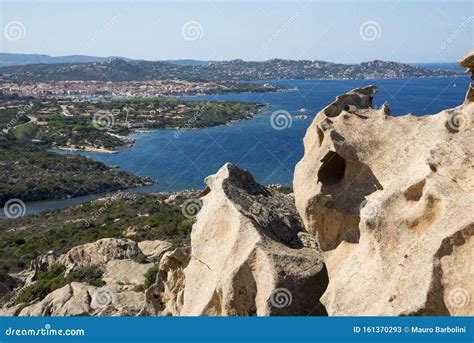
(390, 200)
(123, 265)
(79, 299)
(249, 256)
(154, 250)
(468, 62)
(99, 253)
(166, 296)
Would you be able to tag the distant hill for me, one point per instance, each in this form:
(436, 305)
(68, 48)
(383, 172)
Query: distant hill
(190, 62)
(440, 65)
(10, 59)
(118, 69)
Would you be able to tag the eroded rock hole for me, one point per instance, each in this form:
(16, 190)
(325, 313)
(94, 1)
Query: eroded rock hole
(415, 192)
(320, 136)
(333, 169)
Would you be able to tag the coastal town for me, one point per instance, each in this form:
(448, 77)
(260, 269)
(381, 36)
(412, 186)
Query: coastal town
(137, 89)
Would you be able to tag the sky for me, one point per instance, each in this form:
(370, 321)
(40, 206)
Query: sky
(336, 31)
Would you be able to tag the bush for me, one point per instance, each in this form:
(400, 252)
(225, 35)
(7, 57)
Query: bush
(150, 277)
(54, 278)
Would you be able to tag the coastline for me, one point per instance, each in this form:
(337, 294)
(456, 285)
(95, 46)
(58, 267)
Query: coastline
(264, 109)
(89, 149)
(129, 138)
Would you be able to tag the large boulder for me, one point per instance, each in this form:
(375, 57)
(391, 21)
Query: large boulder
(99, 253)
(249, 256)
(390, 200)
(154, 250)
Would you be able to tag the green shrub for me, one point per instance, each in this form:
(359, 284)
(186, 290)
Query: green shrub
(150, 277)
(54, 278)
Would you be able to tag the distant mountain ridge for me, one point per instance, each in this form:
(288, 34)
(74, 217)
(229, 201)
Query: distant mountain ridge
(11, 59)
(120, 69)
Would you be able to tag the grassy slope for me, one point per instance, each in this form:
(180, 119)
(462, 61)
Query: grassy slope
(26, 238)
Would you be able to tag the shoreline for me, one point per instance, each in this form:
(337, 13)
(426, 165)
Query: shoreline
(129, 138)
(88, 149)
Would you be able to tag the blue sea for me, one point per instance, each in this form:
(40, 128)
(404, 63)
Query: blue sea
(182, 161)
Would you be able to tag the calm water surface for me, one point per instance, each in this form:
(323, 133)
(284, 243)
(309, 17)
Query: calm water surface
(182, 161)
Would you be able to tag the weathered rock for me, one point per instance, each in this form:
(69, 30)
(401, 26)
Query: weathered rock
(468, 62)
(78, 299)
(247, 257)
(166, 296)
(154, 250)
(11, 311)
(38, 265)
(99, 253)
(391, 203)
(125, 274)
(121, 274)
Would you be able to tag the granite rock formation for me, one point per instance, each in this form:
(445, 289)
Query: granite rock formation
(249, 255)
(390, 200)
